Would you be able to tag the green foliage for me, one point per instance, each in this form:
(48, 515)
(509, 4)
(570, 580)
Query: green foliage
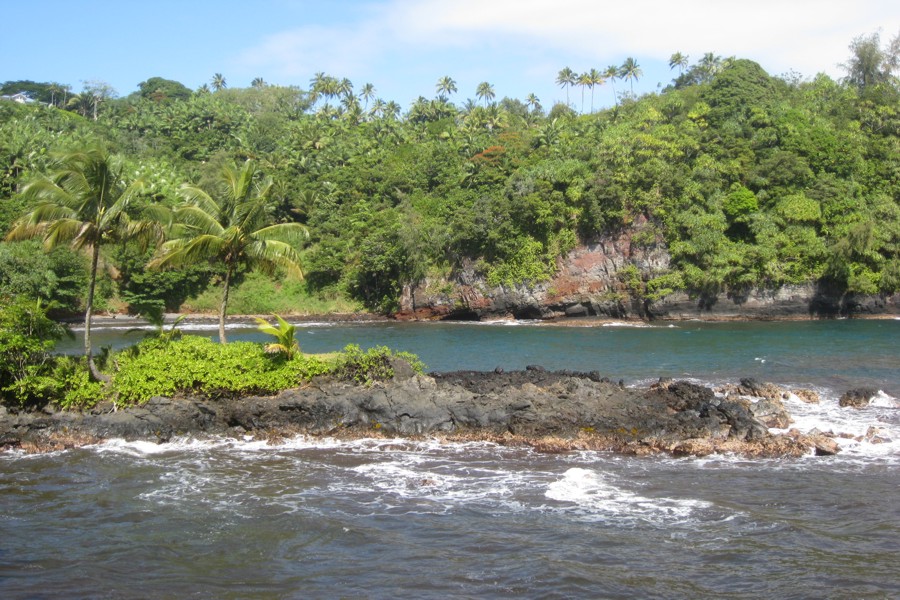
(739, 203)
(27, 337)
(158, 89)
(747, 179)
(257, 293)
(196, 365)
(285, 342)
(58, 278)
(375, 364)
(526, 263)
(75, 388)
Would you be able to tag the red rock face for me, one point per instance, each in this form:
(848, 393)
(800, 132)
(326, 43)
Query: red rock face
(588, 283)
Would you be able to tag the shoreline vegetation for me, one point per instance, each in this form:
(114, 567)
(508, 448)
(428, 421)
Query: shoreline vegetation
(730, 194)
(554, 412)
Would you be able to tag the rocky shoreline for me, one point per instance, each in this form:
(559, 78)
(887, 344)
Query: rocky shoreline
(551, 411)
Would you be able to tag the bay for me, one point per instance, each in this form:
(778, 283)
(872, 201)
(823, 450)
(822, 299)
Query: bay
(393, 518)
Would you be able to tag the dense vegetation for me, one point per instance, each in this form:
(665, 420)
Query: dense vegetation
(747, 179)
(170, 199)
(166, 363)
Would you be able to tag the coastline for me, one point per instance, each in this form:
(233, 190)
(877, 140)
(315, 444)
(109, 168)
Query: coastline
(555, 412)
(115, 319)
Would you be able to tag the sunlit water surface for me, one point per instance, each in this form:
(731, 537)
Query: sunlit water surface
(318, 518)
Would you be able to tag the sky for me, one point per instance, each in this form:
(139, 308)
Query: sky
(403, 47)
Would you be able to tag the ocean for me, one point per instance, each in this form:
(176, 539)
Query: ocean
(393, 518)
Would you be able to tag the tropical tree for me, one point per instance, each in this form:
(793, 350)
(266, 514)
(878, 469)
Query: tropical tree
(218, 82)
(285, 341)
(612, 73)
(869, 64)
(710, 64)
(585, 81)
(533, 102)
(597, 78)
(445, 87)
(234, 230)
(678, 60)
(366, 93)
(564, 79)
(392, 109)
(317, 85)
(485, 91)
(631, 72)
(258, 83)
(344, 88)
(84, 202)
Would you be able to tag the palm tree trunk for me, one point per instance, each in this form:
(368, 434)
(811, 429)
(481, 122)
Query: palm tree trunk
(88, 313)
(224, 306)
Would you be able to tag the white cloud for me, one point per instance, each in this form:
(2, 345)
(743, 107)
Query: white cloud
(808, 36)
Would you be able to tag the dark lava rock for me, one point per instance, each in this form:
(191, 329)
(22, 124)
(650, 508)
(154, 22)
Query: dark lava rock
(557, 408)
(858, 397)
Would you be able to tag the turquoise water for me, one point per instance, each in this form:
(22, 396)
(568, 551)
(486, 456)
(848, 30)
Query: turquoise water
(834, 354)
(320, 518)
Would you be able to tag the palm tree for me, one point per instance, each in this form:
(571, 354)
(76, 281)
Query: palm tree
(378, 107)
(485, 91)
(392, 110)
(612, 73)
(597, 78)
(84, 202)
(585, 80)
(445, 87)
(344, 88)
(258, 83)
(316, 85)
(533, 102)
(630, 71)
(234, 230)
(678, 60)
(710, 64)
(566, 78)
(218, 82)
(285, 341)
(54, 89)
(366, 93)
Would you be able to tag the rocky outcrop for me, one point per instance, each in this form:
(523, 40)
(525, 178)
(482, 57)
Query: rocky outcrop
(593, 280)
(553, 411)
(857, 397)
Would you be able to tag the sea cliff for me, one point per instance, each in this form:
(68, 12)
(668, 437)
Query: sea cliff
(607, 279)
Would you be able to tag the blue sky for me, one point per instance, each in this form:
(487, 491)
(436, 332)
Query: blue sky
(403, 47)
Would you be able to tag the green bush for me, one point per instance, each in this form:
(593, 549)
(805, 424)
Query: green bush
(197, 365)
(27, 337)
(373, 365)
(75, 389)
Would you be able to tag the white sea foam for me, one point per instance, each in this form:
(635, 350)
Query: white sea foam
(593, 494)
(872, 431)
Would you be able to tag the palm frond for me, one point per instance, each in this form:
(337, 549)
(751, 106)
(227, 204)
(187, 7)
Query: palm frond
(268, 254)
(198, 220)
(198, 197)
(291, 233)
(61, 231)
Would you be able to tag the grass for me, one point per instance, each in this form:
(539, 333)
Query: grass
(258, 294)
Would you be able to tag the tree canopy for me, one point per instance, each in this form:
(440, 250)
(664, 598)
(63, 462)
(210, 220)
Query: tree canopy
(744, 179)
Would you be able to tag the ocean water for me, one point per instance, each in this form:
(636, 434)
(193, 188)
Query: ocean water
(382, 518)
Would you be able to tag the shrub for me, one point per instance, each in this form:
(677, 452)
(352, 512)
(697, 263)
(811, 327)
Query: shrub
(375, 364)
(27, 336)
(197, 365)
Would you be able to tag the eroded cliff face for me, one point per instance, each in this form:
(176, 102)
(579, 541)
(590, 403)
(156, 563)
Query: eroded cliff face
(593, 281)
